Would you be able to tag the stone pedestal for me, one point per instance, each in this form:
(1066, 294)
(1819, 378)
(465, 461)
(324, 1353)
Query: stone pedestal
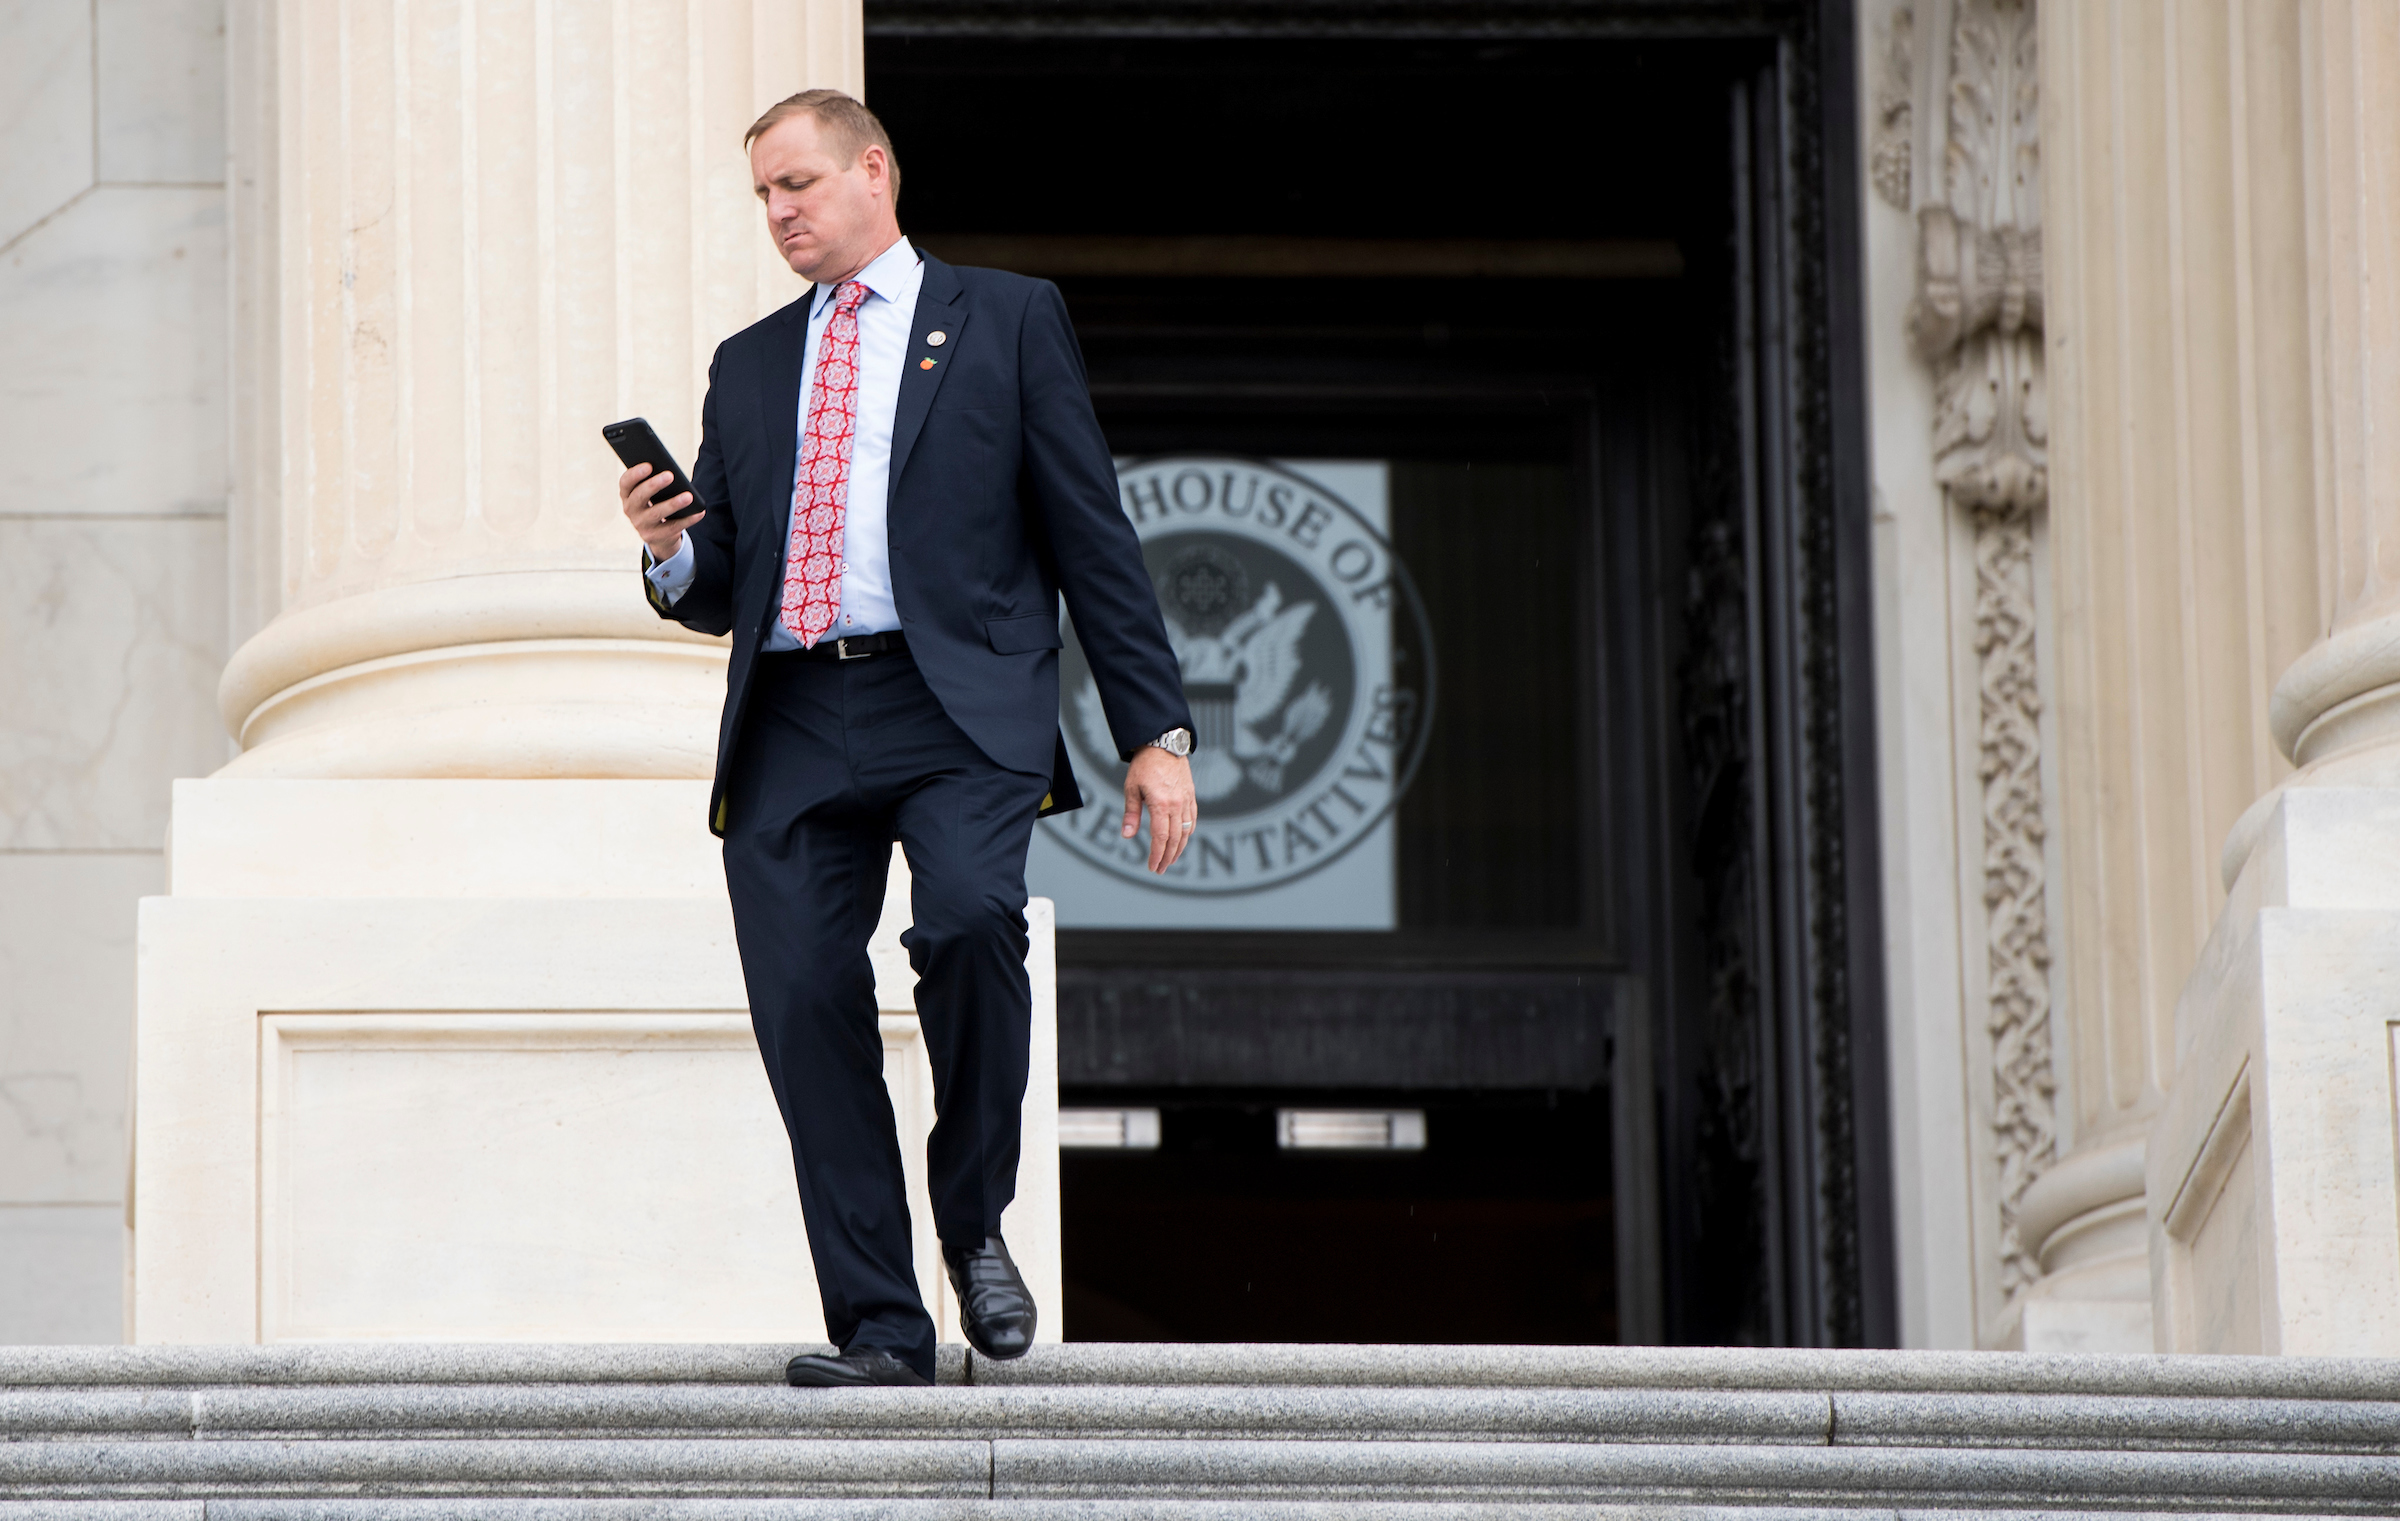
(470, 1060)
(2275, 1195)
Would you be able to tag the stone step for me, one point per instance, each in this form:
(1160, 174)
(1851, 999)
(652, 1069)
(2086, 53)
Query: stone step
(395, 1412)
(1101, 1431)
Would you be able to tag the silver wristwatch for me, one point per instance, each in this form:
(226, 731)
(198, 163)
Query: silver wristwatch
(1174, 742)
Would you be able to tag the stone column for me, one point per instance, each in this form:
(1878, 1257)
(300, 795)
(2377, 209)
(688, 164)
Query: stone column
(2185, 562)
(2336, 709)
(2270, 1167)
(468, 235)
(441, 1028)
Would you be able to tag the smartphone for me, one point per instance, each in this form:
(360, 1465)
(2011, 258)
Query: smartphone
(637, 444)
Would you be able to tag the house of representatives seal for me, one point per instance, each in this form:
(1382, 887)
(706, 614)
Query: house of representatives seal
(1306, 661)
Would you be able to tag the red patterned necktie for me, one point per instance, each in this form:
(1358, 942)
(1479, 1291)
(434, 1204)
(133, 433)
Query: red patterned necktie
(812, 567)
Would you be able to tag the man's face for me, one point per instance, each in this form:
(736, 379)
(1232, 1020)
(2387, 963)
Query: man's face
(827, 215)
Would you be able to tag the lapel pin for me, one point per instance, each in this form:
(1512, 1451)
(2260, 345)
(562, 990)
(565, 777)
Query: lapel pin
(924, 364)
(937, 338)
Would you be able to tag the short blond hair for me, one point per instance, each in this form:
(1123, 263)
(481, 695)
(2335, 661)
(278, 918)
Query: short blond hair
(848, 122)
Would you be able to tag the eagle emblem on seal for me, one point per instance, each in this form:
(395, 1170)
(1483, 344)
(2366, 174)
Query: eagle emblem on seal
(1241, 661)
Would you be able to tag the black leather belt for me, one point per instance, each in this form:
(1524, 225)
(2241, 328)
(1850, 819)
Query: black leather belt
(856, 647)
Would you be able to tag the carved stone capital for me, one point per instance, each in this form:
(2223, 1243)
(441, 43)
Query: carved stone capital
(1976, 316)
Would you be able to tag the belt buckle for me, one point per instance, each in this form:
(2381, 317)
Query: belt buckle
(841, 651)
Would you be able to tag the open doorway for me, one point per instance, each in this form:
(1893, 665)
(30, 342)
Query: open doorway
(1515, 842)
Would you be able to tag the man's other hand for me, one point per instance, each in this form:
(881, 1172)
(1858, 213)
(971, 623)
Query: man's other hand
(1162, 783)
(635, 488)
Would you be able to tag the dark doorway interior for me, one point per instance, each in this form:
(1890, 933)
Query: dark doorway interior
(1498, 1232)
(1512, 271)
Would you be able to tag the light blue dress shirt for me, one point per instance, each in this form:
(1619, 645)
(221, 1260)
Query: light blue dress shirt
(884, 319)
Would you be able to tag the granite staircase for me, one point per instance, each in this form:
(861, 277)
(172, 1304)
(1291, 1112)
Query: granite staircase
(1101, 1431)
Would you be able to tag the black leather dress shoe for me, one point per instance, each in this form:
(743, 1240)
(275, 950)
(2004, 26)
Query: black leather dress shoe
(992, 1299)
(851, 1370)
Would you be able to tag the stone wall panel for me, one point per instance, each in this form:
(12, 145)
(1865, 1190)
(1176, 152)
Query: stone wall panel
(113, 637)
(45, 112)
(112, 357)
(66, 1023)
(161, 86)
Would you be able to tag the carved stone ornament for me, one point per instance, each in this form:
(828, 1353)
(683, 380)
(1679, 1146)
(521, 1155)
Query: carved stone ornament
(1971, 278)
(1977, 320)
(1894, 139)
(1977, 317)
(2016, 918)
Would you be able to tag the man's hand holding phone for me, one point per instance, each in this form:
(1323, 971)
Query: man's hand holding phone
(654, 490)
(636, 488)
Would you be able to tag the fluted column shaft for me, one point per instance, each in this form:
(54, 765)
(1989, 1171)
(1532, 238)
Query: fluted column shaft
(2337, 709)
(480, 232)
(2186, 539)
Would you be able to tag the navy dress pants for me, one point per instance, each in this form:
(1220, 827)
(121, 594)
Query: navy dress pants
(836, 761)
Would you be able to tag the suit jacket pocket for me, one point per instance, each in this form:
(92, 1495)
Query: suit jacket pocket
(1020, 636)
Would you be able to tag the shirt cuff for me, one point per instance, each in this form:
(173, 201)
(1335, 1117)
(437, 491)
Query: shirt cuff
(673, 575)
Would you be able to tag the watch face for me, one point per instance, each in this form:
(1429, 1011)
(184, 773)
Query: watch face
(1177, 741)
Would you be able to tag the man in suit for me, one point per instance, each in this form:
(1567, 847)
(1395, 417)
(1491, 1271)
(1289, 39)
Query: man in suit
(902, 474)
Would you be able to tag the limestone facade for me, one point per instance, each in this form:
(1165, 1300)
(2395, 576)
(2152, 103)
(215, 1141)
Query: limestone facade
(2125, 340)
(2207, 204)
(271, 277)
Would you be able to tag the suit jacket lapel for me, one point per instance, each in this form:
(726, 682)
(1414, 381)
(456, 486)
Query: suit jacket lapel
(786, 366)
(779, 398)
(940, 304)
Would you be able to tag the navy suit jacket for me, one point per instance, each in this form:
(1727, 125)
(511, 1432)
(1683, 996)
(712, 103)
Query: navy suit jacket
(1003, 496)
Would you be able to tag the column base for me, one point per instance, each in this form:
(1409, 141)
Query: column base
(586, 708)
(2071, 1323)
(471, 1060)
(524, 673)
(2086, 1212)
(2368, 767)
(2271, 1171)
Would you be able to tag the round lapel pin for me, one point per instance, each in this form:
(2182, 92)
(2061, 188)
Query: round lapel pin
(937, 338)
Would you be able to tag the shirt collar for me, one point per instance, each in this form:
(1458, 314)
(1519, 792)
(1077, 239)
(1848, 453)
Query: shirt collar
(890, 275)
